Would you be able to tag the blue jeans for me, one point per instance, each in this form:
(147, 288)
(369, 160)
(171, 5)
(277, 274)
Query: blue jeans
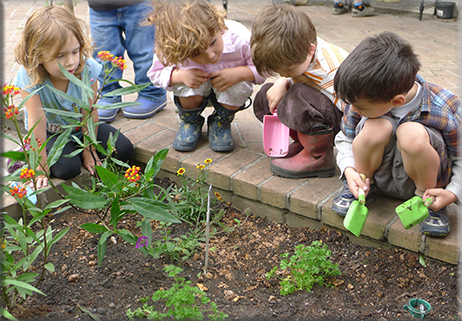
(118, 31)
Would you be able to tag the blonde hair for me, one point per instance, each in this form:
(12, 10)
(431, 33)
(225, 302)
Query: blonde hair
(281, 37)
(184, 28)
(44, 35)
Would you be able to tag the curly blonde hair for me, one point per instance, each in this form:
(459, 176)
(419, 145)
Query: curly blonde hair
(44, 35)
(184, 28)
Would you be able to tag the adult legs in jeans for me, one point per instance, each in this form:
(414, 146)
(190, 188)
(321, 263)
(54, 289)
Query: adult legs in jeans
(118, 31)
(67, 168)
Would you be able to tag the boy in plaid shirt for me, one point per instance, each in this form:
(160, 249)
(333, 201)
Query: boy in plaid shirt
(400, 131)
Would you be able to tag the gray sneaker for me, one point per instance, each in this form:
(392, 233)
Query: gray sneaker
(339, 8)
(362, 11)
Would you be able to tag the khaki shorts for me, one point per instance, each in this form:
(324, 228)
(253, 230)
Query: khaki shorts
(390, 177)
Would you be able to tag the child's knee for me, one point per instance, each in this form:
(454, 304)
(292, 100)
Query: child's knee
(376, 131)
(191, 102)
(412, 138)
(67, 169)
(124, 149)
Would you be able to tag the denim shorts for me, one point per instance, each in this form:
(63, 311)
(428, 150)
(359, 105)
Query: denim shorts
(390, 177)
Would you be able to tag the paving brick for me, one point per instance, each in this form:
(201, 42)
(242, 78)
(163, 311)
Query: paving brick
(381, 211)
(296, 220)
(407, 239)
(126, 125)
(274, 191)
(304, 200)
(247, 181)
(258, 208)
(144, 132)
(221, 171)
(446, 249)
(148, 147)
(330, 218)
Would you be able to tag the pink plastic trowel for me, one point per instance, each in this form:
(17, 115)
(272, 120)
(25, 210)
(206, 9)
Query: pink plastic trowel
(275, 136)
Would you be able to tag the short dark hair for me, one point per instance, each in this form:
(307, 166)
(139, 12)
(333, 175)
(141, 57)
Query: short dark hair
(378, 69)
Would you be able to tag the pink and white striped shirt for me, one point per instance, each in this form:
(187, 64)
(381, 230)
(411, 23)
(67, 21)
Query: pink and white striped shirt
(236, 52)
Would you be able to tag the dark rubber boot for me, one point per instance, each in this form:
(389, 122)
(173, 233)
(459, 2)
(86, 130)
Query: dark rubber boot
(190, 127)
(316, 158)
(295, 147)
(219, 128)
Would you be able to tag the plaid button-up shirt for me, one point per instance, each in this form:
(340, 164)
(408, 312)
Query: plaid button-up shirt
(439, 109)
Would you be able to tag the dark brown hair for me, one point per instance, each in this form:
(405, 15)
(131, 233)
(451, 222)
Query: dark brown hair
(378, 69)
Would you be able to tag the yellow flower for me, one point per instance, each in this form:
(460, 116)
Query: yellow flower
(200, 166)
(208, 161)
(181, 171)
(218, 196)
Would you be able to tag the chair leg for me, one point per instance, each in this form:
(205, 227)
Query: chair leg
(225, 5)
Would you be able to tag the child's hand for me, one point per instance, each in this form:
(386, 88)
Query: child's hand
(193, 78)
(223, 79)
(276, 92)
(90, 159)
(442, 198)
(41, 180)
(355, 182)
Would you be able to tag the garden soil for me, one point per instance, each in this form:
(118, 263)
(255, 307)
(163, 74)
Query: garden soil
(375, 283)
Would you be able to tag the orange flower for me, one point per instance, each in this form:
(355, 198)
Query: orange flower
(27, 173)
(132, 173)
(19, 191)
(119, 62)
(10, 89)
(11, 111)
(105, 56)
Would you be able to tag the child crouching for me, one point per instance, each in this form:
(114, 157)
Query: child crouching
(399, 130)
(201, 58)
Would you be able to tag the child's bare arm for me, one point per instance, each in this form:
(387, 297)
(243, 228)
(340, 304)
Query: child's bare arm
(276, 92)
(36, 115)
(193, 78)
(225, 78)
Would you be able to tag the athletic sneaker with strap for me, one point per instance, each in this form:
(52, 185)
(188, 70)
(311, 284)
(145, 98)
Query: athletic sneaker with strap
(344, 198)
(362, 10)
(339, 8)
(436, 224)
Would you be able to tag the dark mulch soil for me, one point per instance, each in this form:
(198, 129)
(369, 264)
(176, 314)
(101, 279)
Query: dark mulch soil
(375, 283)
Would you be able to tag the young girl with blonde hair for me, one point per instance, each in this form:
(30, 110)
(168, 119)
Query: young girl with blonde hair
(54, 36)
(201, 58)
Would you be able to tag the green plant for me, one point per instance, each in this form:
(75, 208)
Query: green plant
(305, 268)
(113, 191)
(192, 194)
(183, 301)
(178, 248)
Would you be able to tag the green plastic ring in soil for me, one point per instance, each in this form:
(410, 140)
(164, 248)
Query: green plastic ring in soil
(418, 308)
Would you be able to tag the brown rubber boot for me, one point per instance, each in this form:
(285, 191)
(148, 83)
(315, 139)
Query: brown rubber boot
(295, 147)
(316, 158)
